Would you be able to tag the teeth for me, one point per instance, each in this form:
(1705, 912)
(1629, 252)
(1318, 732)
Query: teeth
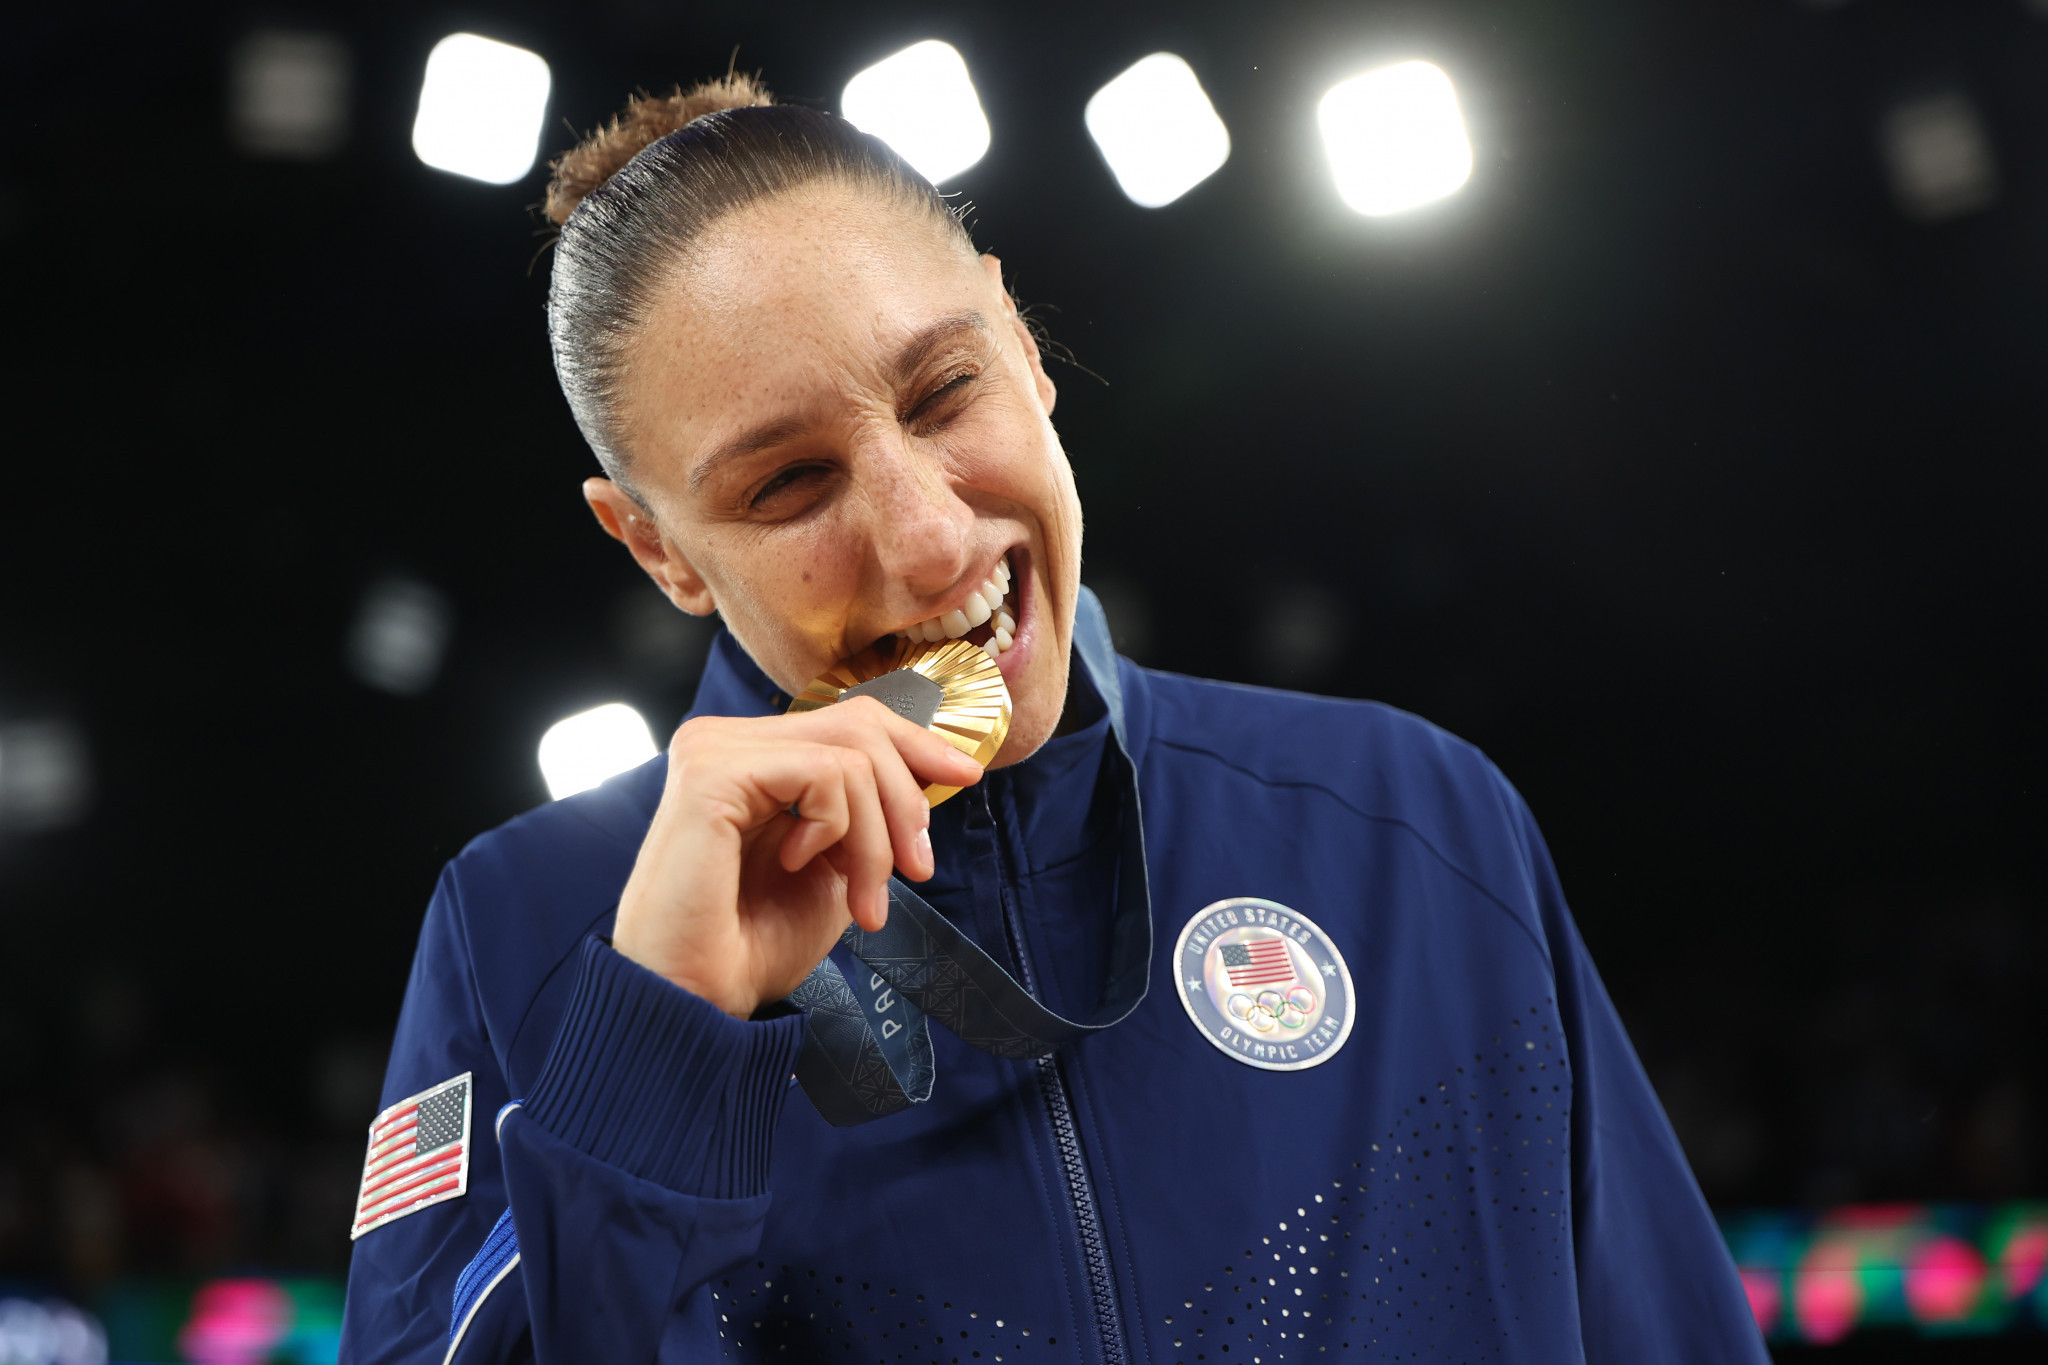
(986, 604)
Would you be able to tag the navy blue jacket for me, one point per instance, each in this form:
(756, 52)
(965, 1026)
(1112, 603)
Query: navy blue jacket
(1480, 1173)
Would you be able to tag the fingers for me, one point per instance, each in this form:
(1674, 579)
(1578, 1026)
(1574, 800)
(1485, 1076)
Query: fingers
(865, 855)
(905, 757)
(870, 913)
(855, 776)
(707, 905)
(907, 814)
(820, 805)
(928, 757)
(839, 813)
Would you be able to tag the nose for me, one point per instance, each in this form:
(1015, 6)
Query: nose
(922, 532)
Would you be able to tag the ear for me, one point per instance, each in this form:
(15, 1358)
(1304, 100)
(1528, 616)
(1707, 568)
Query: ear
(1047, 394)
(633, 526)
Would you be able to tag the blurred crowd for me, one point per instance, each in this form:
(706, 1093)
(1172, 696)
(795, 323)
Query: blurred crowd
(118, 1160)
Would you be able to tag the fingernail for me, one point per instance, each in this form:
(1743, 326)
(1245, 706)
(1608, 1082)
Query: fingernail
(924, 850)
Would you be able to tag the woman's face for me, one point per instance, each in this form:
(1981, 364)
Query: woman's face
(842, 429)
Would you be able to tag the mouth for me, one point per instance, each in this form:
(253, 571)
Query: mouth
(988, 617)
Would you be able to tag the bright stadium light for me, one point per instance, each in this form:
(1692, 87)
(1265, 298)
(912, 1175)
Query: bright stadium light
(922, 103)
(578, 753)
(481, 107)
(1939, 156)
(45, 777)
(400, 636)
(288, 95)
(1157, 130)
(1395, 138)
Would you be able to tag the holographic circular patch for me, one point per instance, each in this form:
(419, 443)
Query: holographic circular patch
(1264, 984)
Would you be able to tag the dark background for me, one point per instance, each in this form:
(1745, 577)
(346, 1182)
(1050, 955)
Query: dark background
(1669, 461)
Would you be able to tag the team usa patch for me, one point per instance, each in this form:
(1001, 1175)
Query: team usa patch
(418, 1156)
(1264, 984)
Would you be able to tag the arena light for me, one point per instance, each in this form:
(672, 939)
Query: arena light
(578, 753)
(288, 94)
(481, 108)
(922, 103)
(1939, 157)
(400, 636)
(50, 1332)
(1395, 138)
(1939, 1270)
(45, 777)
(1157, 130)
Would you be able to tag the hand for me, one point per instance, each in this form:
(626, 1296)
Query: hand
(734, 898)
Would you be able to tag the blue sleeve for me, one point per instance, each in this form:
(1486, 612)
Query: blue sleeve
(1657, 1285)
(633, 1170)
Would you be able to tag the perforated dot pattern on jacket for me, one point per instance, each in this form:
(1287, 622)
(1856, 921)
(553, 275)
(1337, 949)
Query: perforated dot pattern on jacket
(785, 1313)
(1399, 1258)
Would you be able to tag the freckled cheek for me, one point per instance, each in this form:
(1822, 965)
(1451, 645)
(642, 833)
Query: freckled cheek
(816, 581)
(778, 583)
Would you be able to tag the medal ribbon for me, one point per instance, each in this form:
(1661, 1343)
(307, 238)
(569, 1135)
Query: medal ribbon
(867, 1044)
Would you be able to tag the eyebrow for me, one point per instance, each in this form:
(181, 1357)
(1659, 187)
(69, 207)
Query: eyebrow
(760, 438)
(916, 353)
(918, 350)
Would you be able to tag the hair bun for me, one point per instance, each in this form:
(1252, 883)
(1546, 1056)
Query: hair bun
(645, 119)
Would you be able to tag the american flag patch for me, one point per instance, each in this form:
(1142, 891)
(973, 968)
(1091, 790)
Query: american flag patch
(419, 1155)
(1260, 962)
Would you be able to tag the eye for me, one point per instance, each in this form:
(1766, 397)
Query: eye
(783, 482)
(933, 403)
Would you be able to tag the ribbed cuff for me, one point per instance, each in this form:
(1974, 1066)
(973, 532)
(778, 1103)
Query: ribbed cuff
(651, 1079)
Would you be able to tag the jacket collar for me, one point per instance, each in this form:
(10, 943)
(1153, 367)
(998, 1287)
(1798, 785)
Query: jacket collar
(733, 684)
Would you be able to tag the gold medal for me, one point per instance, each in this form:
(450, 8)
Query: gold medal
(949, 686)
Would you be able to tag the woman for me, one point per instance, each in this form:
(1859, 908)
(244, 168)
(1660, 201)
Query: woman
(1385, 1109)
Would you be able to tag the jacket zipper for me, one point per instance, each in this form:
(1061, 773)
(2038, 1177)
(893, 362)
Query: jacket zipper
(1066, 1138)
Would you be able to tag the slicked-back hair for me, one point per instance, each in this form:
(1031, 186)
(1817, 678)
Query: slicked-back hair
(634, 198)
